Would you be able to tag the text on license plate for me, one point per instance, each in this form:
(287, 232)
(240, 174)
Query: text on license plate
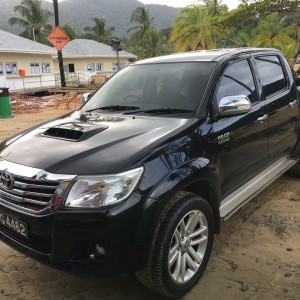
(14, 224)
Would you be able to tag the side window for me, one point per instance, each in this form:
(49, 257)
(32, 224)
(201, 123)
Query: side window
(237, 80)
(11, 68)
(271, 74)
(45, 68)
(90, 68)
(99, 67)
(35, 68)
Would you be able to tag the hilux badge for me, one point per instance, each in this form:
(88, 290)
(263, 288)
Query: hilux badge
(223, 138)
(6, 180)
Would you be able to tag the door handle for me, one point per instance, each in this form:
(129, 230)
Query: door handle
(261, 119)
(293, 103)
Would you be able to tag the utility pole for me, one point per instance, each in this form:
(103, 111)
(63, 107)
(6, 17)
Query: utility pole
(33, 33)
(116, 46)
(59, 52)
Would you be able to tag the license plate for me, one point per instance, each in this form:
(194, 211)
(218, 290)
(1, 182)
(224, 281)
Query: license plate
(14, 224)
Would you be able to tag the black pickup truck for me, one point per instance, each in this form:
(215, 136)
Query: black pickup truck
(142, 175)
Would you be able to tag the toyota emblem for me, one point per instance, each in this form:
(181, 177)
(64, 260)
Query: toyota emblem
(6, 180)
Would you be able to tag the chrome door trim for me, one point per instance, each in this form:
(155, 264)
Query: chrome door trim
(241, 196)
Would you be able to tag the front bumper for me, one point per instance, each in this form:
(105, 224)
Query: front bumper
(73, 237)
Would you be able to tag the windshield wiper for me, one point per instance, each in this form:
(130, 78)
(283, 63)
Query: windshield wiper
(161, 111)
(114, 108)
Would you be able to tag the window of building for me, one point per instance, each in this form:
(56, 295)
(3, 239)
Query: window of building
(35, 68)
(1, 68)
(71, 68)
(91, 68)
(271, 74)
(99, 67)
(237, 80)
(11, 68)
(115, 66)
(66, 68)
(46, 68)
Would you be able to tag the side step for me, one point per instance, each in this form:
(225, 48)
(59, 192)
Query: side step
(249, 190)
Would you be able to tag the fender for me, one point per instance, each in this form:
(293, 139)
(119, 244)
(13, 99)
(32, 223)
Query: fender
(197, 171)
(200, 172)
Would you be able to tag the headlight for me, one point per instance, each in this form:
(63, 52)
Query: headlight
(104, 190)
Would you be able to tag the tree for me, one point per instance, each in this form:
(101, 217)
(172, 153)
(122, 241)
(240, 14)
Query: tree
(34, 20)
(154, 44)
(263, 8)
(273, 30)
(192, 29)
(99, 32)
(242, 38)
(141, 16)
(215, 7)
(70, 31)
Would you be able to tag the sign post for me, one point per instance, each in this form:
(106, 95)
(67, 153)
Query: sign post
(59, 39)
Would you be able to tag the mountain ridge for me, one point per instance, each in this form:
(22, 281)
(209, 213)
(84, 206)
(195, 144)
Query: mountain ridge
(80, 13)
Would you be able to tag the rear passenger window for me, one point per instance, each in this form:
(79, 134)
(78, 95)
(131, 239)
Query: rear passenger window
(271, 74)
(237, 80)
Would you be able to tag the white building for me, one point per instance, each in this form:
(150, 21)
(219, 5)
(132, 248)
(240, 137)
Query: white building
(20, 56)
(25, 64)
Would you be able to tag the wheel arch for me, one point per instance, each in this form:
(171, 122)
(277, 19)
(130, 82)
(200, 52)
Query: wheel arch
(207, 191)
(197, 178)
(154, 272)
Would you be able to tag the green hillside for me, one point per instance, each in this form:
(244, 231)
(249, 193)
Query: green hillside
(79, 13)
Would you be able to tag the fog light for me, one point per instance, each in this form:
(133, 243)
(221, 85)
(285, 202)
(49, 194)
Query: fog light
(100, 250)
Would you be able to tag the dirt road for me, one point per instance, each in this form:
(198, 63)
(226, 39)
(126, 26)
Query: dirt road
(256, 256)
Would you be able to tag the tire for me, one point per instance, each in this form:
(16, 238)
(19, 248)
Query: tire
(184, 233)
(294, 170)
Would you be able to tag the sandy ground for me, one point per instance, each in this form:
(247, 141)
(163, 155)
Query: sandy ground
(256, 256)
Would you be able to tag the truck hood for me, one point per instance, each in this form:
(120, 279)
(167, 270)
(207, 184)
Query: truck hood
(87, 143)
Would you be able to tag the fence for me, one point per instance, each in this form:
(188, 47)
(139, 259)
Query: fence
(42, 82)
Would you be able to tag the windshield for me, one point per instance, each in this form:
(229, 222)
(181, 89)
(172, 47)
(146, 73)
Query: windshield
(140, 88)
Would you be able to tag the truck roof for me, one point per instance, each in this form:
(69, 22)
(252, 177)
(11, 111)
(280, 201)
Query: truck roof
(205, 55)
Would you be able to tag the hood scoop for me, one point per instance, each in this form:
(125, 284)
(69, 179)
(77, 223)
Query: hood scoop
(73, 131)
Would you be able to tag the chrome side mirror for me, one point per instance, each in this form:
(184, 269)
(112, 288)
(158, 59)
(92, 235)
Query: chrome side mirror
(234, 105)
(85, 97)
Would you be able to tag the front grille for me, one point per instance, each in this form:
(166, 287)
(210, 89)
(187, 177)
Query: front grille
(30, 194)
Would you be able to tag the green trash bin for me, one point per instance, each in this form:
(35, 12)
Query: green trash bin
(5, 106)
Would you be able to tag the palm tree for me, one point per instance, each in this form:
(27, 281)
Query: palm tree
(34, 20)
(192, 29)
(243, 38)
(215, 7)
(141, 16)
(154, 44)
(273, 29)
(70, 31)
(99, 32)
(273, 32)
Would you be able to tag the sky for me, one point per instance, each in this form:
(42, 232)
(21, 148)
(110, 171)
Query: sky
(180, 3)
